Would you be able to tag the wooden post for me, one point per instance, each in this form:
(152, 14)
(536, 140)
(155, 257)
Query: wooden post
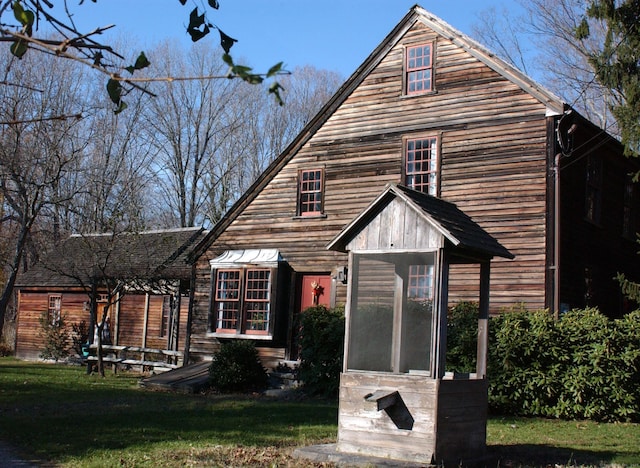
(352, 291)
(483, 321)
(440, 304)
(116, 321)
(146, 322)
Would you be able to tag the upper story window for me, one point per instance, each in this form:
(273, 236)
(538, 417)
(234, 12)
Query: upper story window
(310, 192)
(242, 303)
(421, 164)
(54, 311)
(419, 69)
(593, 196)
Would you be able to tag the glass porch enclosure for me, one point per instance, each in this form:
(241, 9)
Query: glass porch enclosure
(391, 312)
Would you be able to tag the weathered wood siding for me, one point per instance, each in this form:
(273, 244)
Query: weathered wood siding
(492, 144)
(365, 430)
(599, 249)
(29, 340)
(449, 418)
(127, 320)
(461, 422)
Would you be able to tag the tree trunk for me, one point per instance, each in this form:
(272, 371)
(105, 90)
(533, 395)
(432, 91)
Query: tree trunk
(5, 299)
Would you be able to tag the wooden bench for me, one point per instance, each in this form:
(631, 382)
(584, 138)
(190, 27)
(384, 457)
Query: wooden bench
(118, 355)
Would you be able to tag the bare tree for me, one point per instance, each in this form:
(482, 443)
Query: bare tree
(187, 124)
(115, 173)
(37, 148)
(559, 59)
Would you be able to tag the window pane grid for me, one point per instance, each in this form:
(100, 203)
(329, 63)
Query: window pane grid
(419, 69)
(257, 297)
(311, 192)
(228, 299)
(421, 165)
(55, 303)
(420, 282)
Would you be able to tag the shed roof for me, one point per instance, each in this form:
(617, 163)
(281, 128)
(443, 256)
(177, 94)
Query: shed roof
(149, 255)
(456, 226)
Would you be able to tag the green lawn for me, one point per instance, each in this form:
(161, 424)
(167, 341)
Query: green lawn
(60, 414)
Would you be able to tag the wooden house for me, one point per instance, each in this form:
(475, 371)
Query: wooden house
(433, 110)
(149, 311)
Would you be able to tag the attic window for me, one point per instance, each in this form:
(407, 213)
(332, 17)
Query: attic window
(419, 69)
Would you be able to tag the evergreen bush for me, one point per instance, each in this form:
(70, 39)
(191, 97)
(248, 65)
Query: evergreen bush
(462, 337)
(236, 367)
(321, 350)
(583, 366)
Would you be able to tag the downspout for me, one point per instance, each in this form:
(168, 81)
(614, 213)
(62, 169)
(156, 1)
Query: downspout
(556, 236)
(564, 138)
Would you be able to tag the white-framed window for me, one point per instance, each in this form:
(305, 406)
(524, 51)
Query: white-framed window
(242, 301)
(421, 164)
(54, 311)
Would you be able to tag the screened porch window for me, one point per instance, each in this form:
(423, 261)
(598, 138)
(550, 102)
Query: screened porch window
(243, 301)
(389, 287)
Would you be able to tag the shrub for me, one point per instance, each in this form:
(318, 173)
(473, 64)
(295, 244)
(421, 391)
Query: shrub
(462, 337)
(524, 363)
(56, 338)
(583, 366)
(322, 346)
(237, 368)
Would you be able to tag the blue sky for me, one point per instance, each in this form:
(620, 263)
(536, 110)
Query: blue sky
(329, 34)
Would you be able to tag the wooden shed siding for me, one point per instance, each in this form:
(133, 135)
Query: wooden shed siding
(29, 342)
(130, 320)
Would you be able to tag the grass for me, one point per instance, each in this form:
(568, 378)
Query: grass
(61, 415)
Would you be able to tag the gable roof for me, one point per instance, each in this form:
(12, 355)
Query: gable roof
(416, 14)
(451, 222)
(149, 255)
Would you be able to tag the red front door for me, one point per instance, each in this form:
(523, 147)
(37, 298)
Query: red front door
(313, 290)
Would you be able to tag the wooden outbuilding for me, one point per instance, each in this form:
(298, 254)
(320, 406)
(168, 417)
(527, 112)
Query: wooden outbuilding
(149, 311)
(396, 400)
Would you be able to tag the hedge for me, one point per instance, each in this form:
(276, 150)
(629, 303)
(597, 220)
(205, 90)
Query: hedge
(582, 366)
